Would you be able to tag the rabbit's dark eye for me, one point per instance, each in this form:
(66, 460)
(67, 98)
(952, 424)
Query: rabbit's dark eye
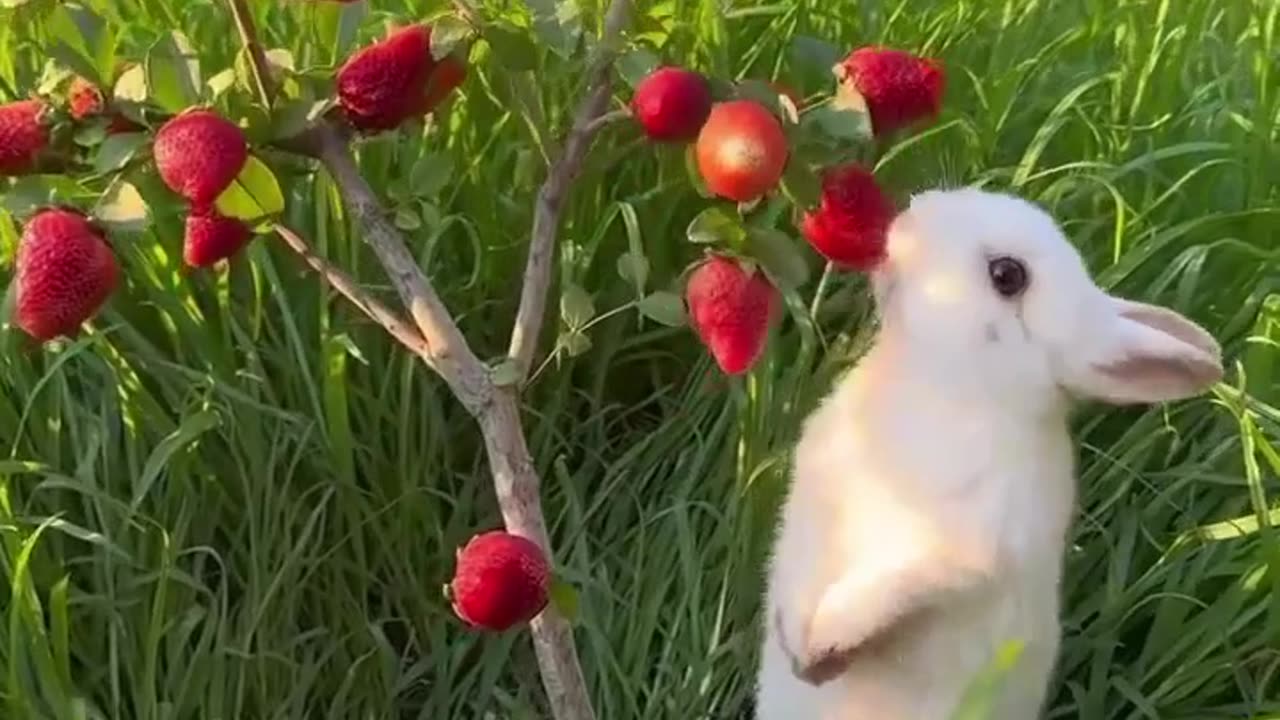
(1008, 276)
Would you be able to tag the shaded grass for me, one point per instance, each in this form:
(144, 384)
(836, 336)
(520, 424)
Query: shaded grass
(236, 500)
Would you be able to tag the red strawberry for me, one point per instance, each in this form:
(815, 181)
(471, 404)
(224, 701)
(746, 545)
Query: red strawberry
(851, 223)
(211, 237)
(199, 154)
(741, 150)
(445, 78)
(672, 104)
(502, 580)
(86, 101)
(730, 310)
(899, 88)
(23, 136)
(65, 272)
(395, 79)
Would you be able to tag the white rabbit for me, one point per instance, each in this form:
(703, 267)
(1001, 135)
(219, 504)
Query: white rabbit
(932, 491)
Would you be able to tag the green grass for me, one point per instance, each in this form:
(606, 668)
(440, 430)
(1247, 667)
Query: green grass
(236, 499)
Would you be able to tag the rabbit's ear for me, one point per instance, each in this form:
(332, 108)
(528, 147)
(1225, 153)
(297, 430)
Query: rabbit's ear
(1143, 353)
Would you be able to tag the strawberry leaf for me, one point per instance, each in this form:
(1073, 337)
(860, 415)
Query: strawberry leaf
(636, 65)
(122, 208)
(780, 257)
(576, 306)
(812, 58)
(173, 72)
(558, 23)
(801, 185)
(512, 46)
(564, 597)
(634, 268)
(407, 220)
(716, 226)
(117, 150)
(132, 86)
(760, 92)
(431, 174)
(448, 33)
(254, 195)
(505, 373)
(663, 307)
(574, 342)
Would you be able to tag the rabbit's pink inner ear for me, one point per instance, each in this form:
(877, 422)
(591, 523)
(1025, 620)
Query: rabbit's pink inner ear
(1153, 355)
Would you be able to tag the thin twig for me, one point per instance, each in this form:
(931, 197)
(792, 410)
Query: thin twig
(257, 56)
(551, 196)
(377, 311)
(607, 119)
(447, 350)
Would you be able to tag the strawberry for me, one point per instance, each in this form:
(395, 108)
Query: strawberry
(383, 85)
(211, 237)
(502, 580)
(730, 310)
(445, 78)
(671, 104)
(23, 136)
(65, 271)
(741, 150)
(199, 154)
(85, 101)
(899, 88)
(851, 223)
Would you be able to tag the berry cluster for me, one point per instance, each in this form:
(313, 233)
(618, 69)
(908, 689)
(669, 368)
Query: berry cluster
(742, 151)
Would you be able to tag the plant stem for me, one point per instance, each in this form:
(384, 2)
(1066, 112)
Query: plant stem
(261, 69)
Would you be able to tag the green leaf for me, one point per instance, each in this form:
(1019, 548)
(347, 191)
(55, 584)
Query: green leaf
(173, 72)
(117, 150)
(813, 57)
(52, 77)
(90, 135)
(13, 3)
(447, 33)
(431, 174)
(574, 342)
(254, 195)
(512, 45)
(716, 226)
(576, 306)
(407, 220)
(222, 82)
(123, 209)
(839, 124)
(27, 194)
(760, 92)
(801, 185)
(565, 599)
(634, 268)
(779, 255)
(663, 307)
(283, 59)
(132, 86)
(293, 116)
(636, 65)
(558, 23)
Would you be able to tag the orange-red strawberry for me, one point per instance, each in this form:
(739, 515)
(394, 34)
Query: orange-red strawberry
(211, 238)
(502, 580)
(85, 101)
(730, 310)
(23, 136)
(671, 104)
(395, 79)
(65, 271)
(741, 150)
(851, 223)
(199, 154)
(900, 89)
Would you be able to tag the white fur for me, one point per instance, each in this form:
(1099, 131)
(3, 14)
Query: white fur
(932, 490)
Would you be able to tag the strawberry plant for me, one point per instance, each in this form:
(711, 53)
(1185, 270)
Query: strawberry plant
(120, 127)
